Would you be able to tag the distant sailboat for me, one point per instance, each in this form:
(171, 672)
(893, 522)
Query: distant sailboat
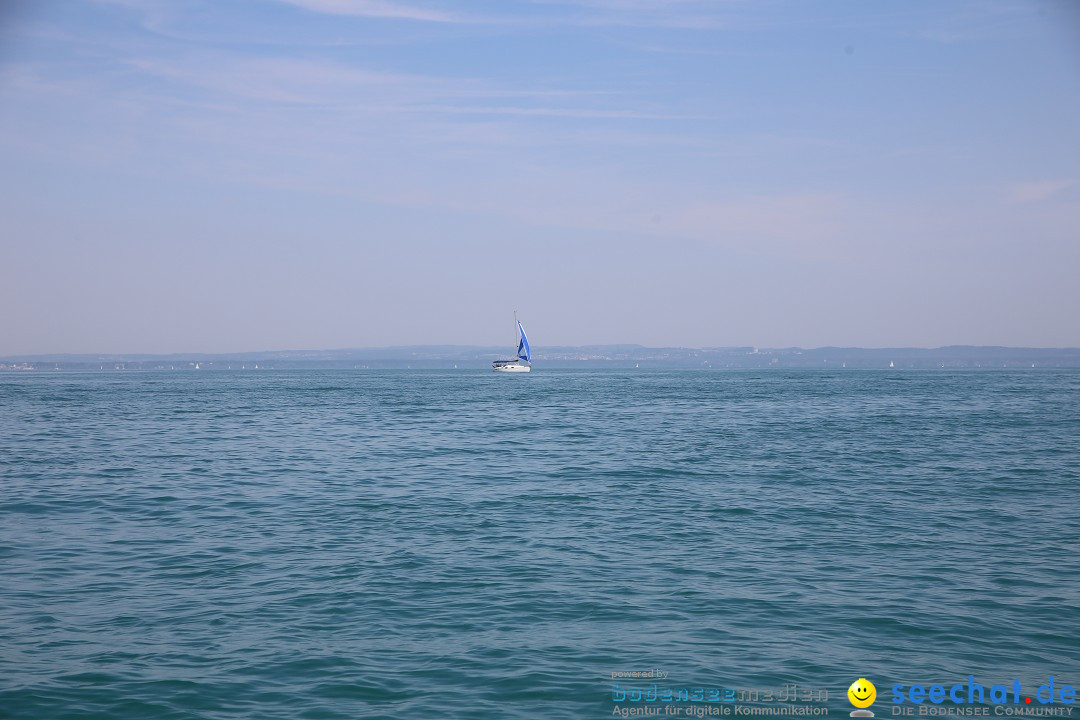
(523, 361)
(891, 364)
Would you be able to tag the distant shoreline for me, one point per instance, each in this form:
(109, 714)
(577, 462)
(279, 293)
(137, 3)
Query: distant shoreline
(614, 356)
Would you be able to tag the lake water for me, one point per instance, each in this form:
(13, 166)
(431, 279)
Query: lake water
(412, 544)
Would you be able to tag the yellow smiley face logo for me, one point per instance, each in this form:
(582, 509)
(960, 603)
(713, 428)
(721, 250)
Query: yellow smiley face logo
(862, 693)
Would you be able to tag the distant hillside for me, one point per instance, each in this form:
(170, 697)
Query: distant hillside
(589, 356)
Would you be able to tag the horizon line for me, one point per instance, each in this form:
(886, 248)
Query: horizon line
(500, 348)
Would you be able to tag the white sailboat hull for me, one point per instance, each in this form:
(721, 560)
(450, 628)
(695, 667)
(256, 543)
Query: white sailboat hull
(512, 367)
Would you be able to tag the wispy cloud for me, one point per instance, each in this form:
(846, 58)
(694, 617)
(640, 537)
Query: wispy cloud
(379, 9)
(561, 112)
(215, 77)
(292, 81)
(1040, 190)
(676, 14)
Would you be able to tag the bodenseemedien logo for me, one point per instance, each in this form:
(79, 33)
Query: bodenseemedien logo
(862, 694)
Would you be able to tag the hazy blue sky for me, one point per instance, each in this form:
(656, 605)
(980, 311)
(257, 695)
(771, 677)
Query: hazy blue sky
(227, 175)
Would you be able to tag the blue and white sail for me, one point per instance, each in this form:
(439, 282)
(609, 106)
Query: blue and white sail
(523, 352)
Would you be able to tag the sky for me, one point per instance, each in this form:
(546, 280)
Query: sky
(235, 175)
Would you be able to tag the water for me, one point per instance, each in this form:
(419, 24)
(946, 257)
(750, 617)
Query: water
(473, 545)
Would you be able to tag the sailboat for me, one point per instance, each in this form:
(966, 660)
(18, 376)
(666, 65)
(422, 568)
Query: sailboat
(523, 361)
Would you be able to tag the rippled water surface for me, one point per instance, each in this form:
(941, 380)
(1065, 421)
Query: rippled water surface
(348, 544)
